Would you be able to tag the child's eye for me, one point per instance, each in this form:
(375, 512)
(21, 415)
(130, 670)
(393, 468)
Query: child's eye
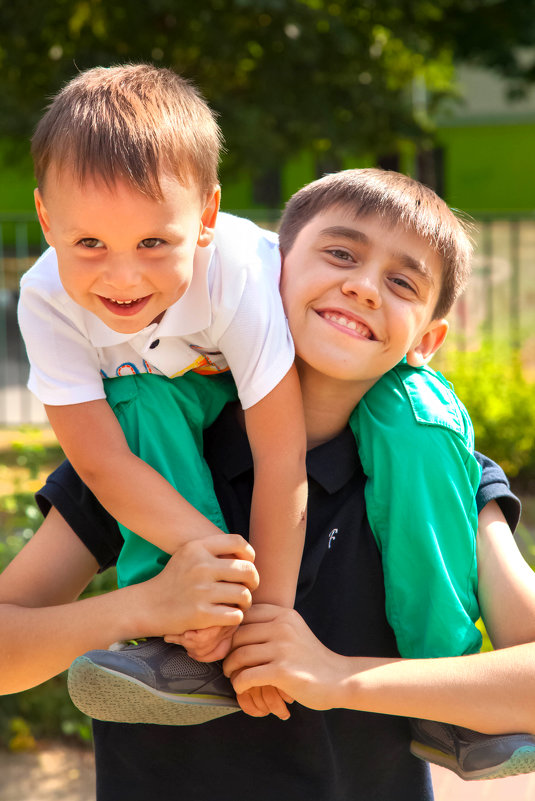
(403, 283)
(342, 255)
(150, 243)
(91, 243)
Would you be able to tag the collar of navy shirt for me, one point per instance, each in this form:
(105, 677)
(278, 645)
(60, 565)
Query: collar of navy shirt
(331, 464)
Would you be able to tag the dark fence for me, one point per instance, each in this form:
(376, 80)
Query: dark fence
(499, 305)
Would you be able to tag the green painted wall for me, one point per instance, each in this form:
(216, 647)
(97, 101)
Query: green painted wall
(16, 180)
(490, 167)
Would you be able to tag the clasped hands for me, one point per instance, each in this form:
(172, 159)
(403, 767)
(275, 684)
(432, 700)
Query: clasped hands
(206, 592)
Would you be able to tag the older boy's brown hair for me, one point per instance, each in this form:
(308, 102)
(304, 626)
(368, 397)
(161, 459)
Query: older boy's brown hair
(398, 200)
(129, 122)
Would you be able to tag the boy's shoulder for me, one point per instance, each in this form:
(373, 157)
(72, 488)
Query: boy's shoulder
(230, 227)
(241, 244)
(42, 294)
(419, 396)
(44, 274)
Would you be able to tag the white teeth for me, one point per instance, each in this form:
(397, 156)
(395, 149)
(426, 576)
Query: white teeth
(124, 302)
(351, 324)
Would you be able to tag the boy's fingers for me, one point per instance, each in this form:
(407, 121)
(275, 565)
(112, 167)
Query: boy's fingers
(245, 680)
(217, 653)
(252, 634)
(231, 594)
(248, 703)
(274, 702)
(229, 545)
(245, 656)
(237, 571)
(257, 698)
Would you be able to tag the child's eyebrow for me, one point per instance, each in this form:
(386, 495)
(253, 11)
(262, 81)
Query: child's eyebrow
(347, 233)
(415, 265)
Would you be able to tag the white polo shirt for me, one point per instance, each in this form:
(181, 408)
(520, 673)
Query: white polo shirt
(230, 317)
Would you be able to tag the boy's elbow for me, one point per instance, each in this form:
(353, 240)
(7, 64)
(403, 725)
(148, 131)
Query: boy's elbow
(96, 474)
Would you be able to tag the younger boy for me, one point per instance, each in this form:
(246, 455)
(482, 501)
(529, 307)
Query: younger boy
(133, 287)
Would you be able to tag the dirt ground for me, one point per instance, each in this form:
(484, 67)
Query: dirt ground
(50, 773)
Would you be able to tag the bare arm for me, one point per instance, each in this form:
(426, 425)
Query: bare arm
(94, 443)
(38, 592)
(276, 431)
(492, 692)
(506, 582)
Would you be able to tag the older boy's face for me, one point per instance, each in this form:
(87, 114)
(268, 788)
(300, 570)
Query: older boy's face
(359, 295)
(124, 256)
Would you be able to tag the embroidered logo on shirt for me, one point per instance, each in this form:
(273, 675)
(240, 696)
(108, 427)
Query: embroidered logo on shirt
(332, 537)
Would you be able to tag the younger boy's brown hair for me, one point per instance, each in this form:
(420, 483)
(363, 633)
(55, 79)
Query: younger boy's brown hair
(129, 122)
(397, 200)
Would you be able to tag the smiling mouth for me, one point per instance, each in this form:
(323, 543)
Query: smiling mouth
(124, 307)
(350, 323)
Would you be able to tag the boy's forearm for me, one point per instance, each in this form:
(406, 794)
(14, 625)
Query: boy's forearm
(490, 692)
(506, 582)
(38, 643)
(277, 436)
(277, 529)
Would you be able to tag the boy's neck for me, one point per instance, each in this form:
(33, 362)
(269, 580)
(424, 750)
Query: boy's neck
(328, 403)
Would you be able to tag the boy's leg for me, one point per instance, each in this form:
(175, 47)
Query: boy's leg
(163, 420)
(470, 754)
(151, 681)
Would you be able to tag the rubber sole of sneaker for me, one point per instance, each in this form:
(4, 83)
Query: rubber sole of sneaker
(521, 761)
(106, 695)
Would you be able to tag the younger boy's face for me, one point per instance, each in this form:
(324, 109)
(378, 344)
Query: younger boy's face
(360, 295)
(121, 255)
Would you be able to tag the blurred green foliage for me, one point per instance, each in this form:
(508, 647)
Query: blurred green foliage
(338, 76)
(500, 399)
(45, 711)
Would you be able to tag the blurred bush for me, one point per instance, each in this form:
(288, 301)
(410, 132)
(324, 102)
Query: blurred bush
(45, 711)
(501, 402)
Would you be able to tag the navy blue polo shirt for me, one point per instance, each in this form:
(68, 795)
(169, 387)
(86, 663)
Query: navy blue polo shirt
(337, 755)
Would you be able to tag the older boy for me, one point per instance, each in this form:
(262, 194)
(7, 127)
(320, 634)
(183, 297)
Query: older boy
(372, 262)
(363, 274)
(133, 286)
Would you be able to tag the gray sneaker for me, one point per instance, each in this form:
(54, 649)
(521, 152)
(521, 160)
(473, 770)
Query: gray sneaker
(150, 681)
(470, 754)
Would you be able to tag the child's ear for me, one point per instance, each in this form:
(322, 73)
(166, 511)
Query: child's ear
(42, 215)
(434, 336)
(208, 218)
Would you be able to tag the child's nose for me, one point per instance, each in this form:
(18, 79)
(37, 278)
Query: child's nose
(122, 273)
(363, 286)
